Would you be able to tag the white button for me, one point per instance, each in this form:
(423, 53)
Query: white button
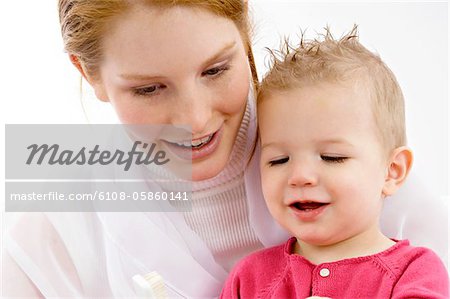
(324, 272)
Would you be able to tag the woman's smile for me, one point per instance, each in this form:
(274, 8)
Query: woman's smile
(196, 149)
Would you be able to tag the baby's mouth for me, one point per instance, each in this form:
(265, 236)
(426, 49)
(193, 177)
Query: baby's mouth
(307, 205)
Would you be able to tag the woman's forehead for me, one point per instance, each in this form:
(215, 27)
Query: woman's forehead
(162, 38)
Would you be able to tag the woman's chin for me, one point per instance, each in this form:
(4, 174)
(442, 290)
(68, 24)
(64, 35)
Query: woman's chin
(198, 169)
(206, 170)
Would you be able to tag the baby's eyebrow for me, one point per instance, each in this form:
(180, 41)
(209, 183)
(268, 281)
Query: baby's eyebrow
(339, 141)
(330, 141)
(271, 144)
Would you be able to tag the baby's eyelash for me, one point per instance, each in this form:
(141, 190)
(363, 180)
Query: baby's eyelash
(333, 159)
(279, 161)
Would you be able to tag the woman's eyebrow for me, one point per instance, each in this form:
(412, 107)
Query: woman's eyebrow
(137, 77)
(224, 49)
(213, 58)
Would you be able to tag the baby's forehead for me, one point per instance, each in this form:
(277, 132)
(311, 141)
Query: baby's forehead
(329, 102)
(356, 92)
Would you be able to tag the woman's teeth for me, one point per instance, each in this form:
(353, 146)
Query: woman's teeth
(196, 143)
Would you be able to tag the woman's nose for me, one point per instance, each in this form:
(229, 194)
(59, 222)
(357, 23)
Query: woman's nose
(303, 174)
(195, 110)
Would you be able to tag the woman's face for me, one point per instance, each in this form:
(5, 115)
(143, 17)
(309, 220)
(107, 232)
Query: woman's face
(178, 66)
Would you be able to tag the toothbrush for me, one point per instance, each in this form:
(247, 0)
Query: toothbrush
(150, 286)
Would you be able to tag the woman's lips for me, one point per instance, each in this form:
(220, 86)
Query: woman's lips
(196, 153)
(308, 210)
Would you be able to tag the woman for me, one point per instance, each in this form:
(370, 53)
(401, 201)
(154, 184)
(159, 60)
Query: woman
(158, 62)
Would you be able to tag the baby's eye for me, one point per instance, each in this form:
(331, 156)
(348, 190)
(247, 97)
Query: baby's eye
(148, 90)
(333, 159)
(279, 161)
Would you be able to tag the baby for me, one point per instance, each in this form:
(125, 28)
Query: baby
(333, 147)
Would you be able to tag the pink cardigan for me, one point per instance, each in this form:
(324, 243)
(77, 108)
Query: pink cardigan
(402, 271)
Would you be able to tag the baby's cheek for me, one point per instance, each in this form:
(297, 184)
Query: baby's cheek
(342, 183)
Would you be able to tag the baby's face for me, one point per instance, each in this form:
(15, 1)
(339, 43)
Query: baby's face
(322, 164)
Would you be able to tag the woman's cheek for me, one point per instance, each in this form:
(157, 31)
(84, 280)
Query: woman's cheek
(129, 112)
(133, 109)
(235, 96)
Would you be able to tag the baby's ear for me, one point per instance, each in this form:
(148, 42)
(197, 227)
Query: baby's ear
(399, 165)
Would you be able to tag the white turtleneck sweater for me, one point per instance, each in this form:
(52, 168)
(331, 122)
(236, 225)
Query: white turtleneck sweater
(219, 213)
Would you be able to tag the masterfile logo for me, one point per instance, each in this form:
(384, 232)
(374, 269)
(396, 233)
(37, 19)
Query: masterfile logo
(95, 168)
(53, 155)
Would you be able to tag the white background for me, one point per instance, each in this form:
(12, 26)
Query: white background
(38, 84)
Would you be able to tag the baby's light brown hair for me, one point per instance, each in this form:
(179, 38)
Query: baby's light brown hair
(345, 61)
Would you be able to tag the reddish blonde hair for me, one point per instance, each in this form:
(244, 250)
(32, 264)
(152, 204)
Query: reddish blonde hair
(84, 23)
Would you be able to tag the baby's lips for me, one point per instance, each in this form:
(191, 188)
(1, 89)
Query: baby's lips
(304, 201)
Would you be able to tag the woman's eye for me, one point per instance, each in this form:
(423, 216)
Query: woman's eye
(215, 71)
(148, 90)
(279, 161)
(333, 159)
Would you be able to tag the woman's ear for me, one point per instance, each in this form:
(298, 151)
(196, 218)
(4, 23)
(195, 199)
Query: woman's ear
(400, 163)
(76, 62)
(99, 90)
